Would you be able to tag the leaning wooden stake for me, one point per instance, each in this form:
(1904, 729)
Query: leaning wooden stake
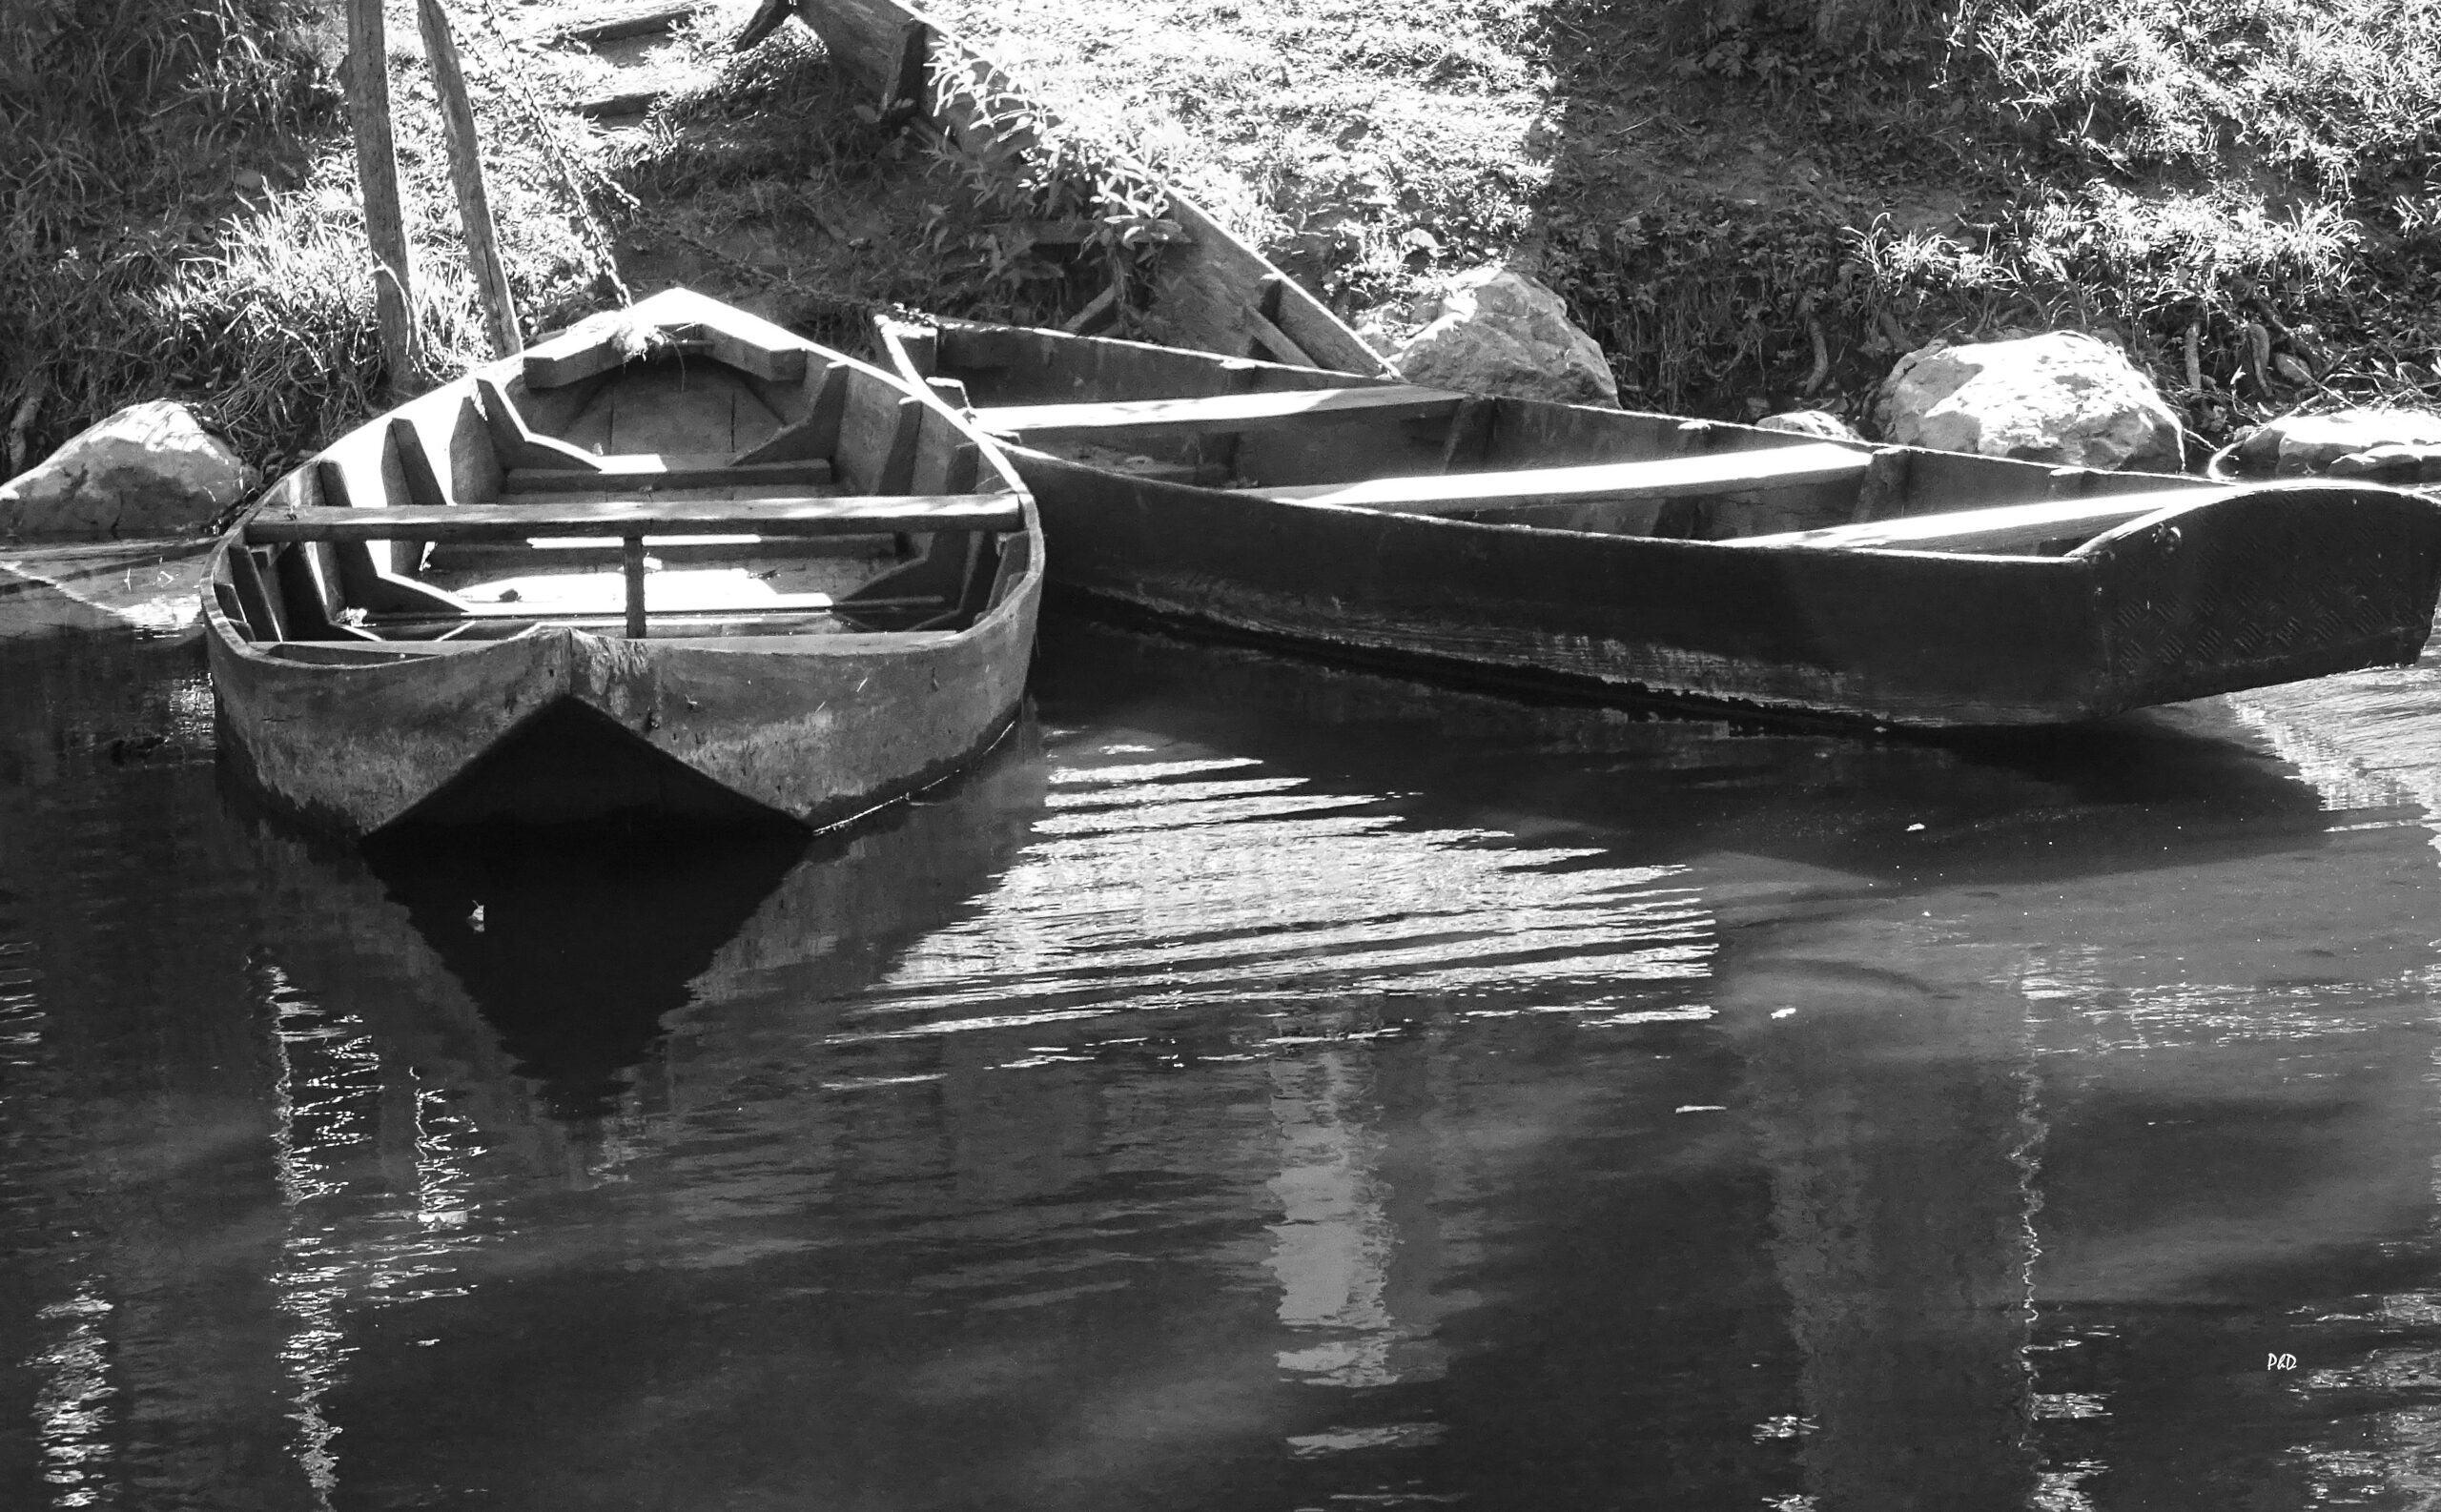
(467, 175)
(377, 173)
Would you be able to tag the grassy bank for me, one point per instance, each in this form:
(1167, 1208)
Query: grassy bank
(1752, 203)
(1767, 212)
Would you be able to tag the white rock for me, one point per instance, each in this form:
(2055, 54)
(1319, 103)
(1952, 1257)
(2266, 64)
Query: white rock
(1809, 423)
(148, 470)
(1498, 331)
(2300, 445)
(2061, 398)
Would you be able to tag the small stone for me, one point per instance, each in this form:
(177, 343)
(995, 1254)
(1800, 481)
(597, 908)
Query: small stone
(148, 470)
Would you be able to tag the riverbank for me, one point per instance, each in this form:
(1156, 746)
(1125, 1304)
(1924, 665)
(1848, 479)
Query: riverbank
(1748, 215)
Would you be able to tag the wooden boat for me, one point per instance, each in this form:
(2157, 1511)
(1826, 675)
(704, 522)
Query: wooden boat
(1632, 554)
(451, 615)
(1208, 291)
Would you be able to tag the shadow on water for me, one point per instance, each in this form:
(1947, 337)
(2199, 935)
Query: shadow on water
(576, 949)
(2091, 798)
(578, 953)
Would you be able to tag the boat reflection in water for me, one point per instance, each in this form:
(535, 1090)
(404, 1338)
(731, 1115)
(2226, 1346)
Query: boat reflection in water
(1274, 1086)
(582, 952)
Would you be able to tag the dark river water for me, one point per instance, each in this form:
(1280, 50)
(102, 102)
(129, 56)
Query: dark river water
(1257, 1087)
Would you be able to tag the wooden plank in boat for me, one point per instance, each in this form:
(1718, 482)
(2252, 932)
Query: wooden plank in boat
(648, 470)
(2001, 530)
(1222, 412)
(359, 653)
(744, 341)
(1675, 477)
(883, 515)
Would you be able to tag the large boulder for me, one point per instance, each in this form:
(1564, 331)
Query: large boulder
(2061, 398)
(148, 470)
(1497, 331)
(2384, 443)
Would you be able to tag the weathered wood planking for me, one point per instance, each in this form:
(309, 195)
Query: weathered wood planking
(349, 709)
(1675, 478)
(1211, 290)
(889, 515)
(367, 74)
(742, 340)
(2007, 528)
(467, 177)
(621, 22)
(1141, 418)
(1875, 596)
(656, 470)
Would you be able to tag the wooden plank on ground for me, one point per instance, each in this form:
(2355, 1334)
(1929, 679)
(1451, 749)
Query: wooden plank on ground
(621, 22)
(1221, 412)
(634, 472)
(796, 515)
(2002, 530)
(639, 92)
(1794, 466)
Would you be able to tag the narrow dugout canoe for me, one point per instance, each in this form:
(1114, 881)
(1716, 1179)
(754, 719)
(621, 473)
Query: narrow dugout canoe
(1632, 554)
(676, 564)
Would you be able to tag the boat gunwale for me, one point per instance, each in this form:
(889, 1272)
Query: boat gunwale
(502, 371)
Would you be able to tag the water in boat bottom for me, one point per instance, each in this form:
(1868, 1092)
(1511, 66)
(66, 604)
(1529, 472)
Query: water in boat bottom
(1256, 1087)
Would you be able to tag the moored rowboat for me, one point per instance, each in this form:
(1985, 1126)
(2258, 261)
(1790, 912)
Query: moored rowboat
(1633, 555)
(677, 563)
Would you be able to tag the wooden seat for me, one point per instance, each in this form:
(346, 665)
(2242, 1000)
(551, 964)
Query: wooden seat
(645, 518)
(2004, 530)
(1795, 466)
(645, 471)
(1219, 412)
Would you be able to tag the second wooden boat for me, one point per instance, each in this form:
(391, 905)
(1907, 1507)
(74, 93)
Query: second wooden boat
(1632, 554)
(677, 564)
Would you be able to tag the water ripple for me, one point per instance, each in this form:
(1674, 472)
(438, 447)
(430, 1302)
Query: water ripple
(1159, 885)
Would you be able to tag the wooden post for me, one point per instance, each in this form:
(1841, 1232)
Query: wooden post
(377, 173)
(466, 176)
(635, 573)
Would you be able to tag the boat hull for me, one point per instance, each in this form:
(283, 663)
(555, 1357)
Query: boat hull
(813, 731)
(413, 626)
(2237, 593)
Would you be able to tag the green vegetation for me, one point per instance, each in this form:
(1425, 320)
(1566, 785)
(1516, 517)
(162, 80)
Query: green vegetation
(1758, 204)
(1752, 203)
(183, 220)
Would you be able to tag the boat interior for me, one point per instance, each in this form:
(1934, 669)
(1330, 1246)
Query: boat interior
(688, 473)
(1280, 432)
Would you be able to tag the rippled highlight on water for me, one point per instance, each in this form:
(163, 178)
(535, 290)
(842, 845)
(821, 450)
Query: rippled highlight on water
(1257, 1086)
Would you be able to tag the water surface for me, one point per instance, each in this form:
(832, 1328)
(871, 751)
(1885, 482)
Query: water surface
(1257, 1087)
